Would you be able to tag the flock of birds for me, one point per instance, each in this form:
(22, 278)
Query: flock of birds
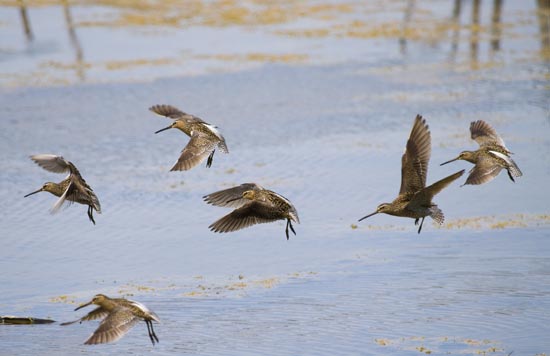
(254, 204)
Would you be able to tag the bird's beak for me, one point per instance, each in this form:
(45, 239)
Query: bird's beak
(364, 217)
(164, 129)
(230, 200)
(454, 159)
(83, 305)
(37, 191)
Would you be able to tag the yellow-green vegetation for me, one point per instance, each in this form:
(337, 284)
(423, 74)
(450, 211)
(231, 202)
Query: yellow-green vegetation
(433, 345)
(63, 299)
(499, 222)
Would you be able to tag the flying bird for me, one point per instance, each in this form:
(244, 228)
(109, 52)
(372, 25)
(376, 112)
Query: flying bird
(119, 316)
(253, 205)
(491, 157)
(204, 137)
(415, 199)
(73, 189)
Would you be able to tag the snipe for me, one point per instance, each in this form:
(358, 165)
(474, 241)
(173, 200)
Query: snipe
(491, 157)
(204, 137)
(73, 189)
(415, 199)
(119, 316)
(254, 205)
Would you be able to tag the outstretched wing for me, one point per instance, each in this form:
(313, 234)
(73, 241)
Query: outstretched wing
(484, 134)
(255, 212)
(425, 195)
(198, 148)
(97, 313)
(484, 171)
(113, 327)
(52, 163)
(414, 163)
(167, 110)
(231, 197)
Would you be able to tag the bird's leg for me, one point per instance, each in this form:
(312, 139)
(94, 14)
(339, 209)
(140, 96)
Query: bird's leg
(149, 327)
(289, 223)
(420, 228)
(291, 227)
(209, 161)
(91, 213)
(153, 332)
(286, 230)
(510, 175)
(416, 222)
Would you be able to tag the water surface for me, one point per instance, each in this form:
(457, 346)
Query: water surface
(316, 107)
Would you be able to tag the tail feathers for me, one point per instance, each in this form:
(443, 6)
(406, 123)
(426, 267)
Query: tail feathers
(437, 215)
(513, 169)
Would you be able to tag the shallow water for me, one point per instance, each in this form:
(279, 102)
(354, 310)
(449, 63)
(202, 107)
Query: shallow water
(328, 133)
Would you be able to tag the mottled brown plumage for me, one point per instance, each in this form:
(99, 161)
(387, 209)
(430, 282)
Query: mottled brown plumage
(415, 199)
(119, 316)
(491, 157)
(204, 137)
(254, 205)
(72, 189)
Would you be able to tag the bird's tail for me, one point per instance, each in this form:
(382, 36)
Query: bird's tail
(436, 214)
(514, 169)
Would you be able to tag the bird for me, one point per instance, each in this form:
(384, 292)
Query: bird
(73, 189)
(491, 157)
(253, 205)
(119, 316)
(204, 137)
(415, 199)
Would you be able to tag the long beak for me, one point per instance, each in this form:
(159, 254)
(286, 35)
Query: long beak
(83, 305)
(454, 159)
(164, 129)
(37, 191)
(364, 217)
(230, 200)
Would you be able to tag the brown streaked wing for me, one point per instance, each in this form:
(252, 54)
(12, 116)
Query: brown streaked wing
(221, 198)
(167, 110)
(80, 191)
(52, 163)
(113, 327)
(414, 163)
(250, 214)
(484, 171)
(198, 148)
(424, 197)
(62, 199)
(484, 134)
(97, 313)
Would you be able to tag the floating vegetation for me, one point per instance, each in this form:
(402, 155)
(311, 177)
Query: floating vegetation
(499, 222)
(63, 299)
(441, 345)
(18, 320)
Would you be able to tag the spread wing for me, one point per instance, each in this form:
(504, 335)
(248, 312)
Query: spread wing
(167, 110)
(255, 212)
(484, 134)
(414, 163)
(113, 327)
(484, 171)
(225, 197)
(52, 163)
(198, 148)
(97, 313)
(424, 197)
